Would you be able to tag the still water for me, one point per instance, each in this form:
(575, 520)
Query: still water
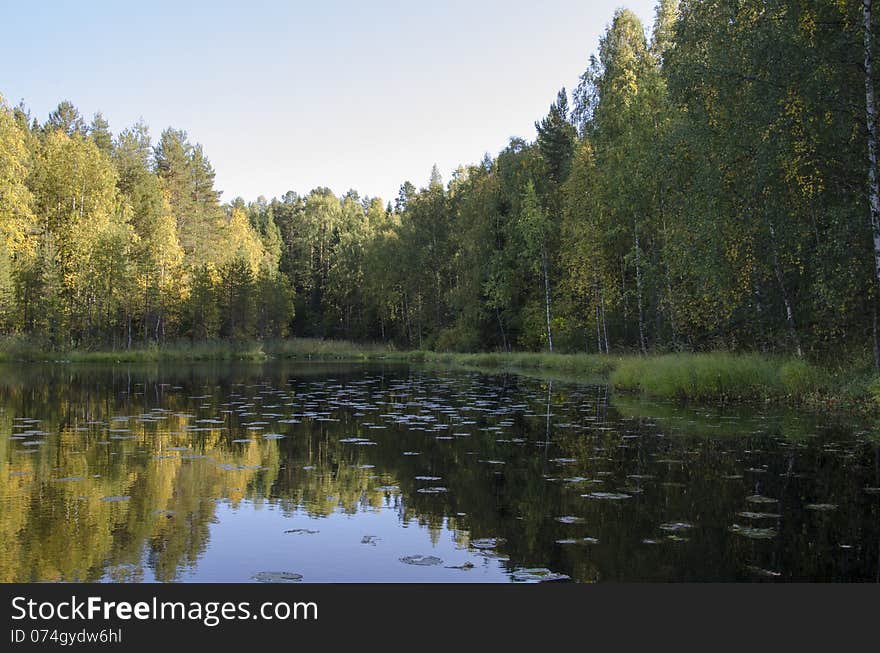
(325, 473)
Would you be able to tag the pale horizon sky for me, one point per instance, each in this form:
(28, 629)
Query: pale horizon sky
(295, 95)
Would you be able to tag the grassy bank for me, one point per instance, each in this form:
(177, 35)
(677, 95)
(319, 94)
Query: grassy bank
(686, 377)
(23, 351)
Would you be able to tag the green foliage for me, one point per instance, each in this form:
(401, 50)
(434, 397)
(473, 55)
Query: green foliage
(237, 306)
(704, 192)
(874, 390)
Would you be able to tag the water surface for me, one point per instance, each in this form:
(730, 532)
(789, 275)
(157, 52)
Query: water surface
(323, 473)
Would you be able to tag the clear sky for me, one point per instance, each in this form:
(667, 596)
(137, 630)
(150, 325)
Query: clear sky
(292, 95)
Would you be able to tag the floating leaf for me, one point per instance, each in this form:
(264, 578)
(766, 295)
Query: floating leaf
(537, 575)
(673, 527)
(757, 498)
(486, 543)
(754, 533)
(758, 515)
(277, 577)
(609, 496)
(422, 561)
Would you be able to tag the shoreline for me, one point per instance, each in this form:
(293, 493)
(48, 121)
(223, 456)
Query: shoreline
(690, 377)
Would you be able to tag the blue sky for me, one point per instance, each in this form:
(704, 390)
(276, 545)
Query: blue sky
(294, 95)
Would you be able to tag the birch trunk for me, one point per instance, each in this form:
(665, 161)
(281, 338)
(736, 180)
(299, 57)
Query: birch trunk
(604, 324)
(789, 313)
(501, 329)
(547, 298)
(871, 121)
(644, 348)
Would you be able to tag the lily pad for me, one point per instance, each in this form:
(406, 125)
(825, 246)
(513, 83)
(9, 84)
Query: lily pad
(537, 575)
(821, 507)
(757, 498)
(754, 533)
(277, 577)
(758, 515)
(486, 543)
(422, 561)
(672, 527)
(609, 496)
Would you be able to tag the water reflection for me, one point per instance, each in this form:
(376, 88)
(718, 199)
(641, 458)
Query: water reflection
(352, 473)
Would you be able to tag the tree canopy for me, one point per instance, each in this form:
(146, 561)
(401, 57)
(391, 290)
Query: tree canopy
(706, 185)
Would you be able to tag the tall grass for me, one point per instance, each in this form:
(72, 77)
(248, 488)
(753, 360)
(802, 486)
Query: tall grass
(717, 376)
(583, 365)
(27, 351)
(315, 348)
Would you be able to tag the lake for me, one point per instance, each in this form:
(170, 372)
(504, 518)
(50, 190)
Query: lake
(286, 472)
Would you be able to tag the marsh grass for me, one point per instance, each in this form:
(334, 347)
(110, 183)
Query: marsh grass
(735, 377)
(26, 351)
(720, 376)
(699, 376)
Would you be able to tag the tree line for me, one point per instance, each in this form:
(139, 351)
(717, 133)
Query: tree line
(709, 184)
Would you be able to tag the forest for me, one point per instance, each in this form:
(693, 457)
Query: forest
(710, 184)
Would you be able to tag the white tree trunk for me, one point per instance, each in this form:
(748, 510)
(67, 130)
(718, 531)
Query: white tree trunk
(871, 119)
(873, 184)
(789, 313)
(639, 292)
(547, 299)
(604, 324)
